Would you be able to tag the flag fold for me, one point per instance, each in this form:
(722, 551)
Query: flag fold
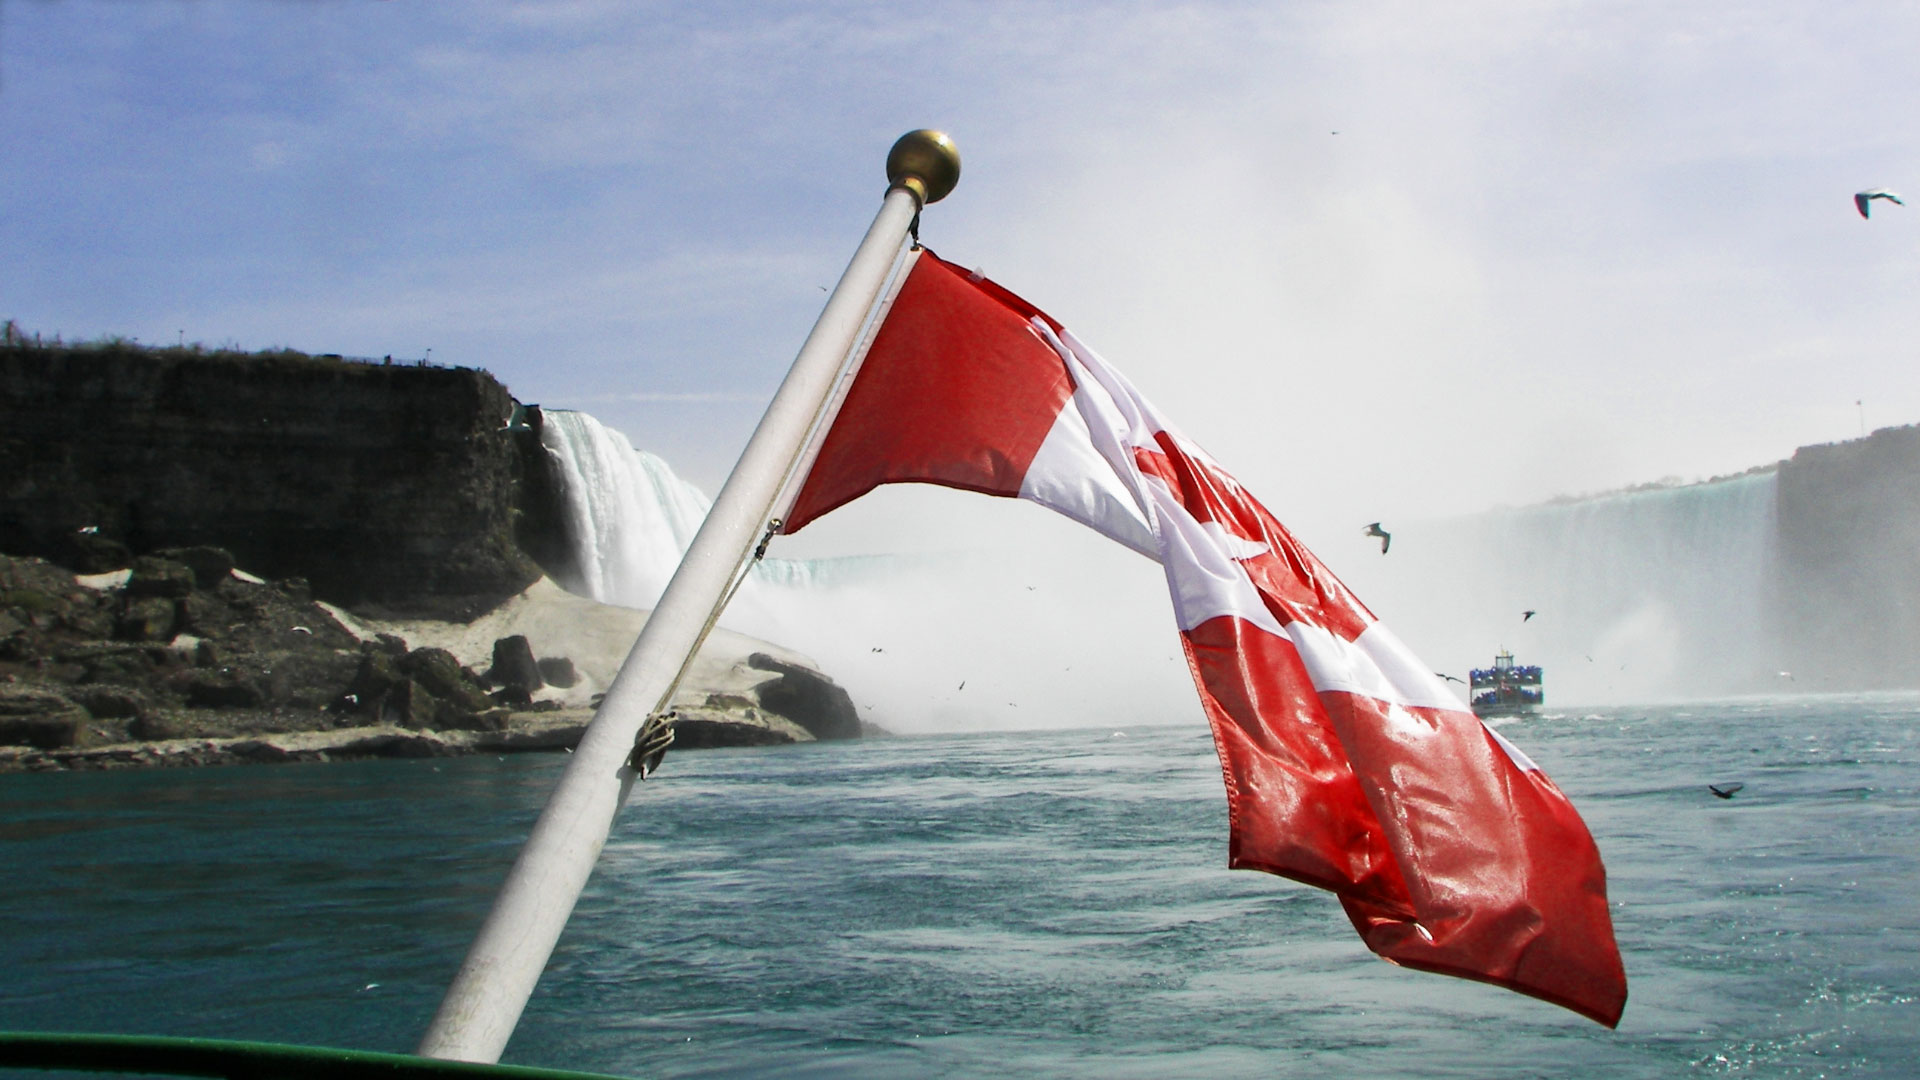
(1348, 764)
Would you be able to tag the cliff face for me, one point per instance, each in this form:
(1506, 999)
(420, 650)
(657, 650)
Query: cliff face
(1849, 582)
(391, 489)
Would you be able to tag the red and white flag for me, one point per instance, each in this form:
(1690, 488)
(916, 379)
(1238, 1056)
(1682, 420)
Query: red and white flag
(1348, 764)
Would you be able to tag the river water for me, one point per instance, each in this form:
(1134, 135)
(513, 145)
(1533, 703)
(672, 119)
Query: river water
(1048, 903)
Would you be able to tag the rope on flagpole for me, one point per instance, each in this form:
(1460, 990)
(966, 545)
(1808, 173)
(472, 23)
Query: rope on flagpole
(650, 745)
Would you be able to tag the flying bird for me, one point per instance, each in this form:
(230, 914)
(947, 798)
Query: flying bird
(1861, 199)
(1451, 678)
(1725, 792)
(1525, 615)
(1374, 529)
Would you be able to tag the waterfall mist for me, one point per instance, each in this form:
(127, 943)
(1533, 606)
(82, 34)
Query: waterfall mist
(1639, 596)
(1027, 621)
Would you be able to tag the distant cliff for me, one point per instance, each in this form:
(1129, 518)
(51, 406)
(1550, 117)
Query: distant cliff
(1849, 559)
(394, 489)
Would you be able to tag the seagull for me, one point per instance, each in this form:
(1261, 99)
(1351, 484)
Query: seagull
(1861, 199)
(1451, 678)
(962, 686)
(1525, 615)
(1375, 530)
(1725, 792)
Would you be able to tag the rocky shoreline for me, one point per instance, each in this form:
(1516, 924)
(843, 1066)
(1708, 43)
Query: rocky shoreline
(183, 659)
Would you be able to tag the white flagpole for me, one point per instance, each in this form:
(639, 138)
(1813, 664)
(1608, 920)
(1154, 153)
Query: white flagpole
(485, 1000)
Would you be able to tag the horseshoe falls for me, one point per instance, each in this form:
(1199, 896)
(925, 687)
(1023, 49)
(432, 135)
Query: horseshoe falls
(1647, 595)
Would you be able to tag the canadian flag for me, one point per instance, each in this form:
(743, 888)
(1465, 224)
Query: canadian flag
(1347, 763)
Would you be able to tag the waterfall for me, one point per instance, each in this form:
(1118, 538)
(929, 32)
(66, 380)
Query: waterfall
(629, 517)
(1641, 595)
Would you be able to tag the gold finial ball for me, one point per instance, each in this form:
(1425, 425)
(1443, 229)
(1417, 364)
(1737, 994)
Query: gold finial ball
(926, 162)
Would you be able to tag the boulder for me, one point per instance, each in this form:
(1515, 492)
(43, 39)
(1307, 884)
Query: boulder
(91, 553)
(155, 576)
(40, 719)
(111, 702)
(210, 565)
(426, 688)
(90, 616)
(378, 675)
(146, 618)
(201, 615)
(410, 705)
(308, 678)
(514, 666)
(807, 698)
(440, 674)
(109, 663)
(558, 671)
(696, 728)
(224, 690)
(513, 697)
(152, 727)
(30, 602)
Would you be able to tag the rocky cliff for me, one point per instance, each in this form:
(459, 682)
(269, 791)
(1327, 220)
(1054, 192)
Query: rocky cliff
(1849, 559)
(390, 488)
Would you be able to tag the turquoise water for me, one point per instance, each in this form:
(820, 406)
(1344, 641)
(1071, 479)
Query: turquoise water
(1046, 903)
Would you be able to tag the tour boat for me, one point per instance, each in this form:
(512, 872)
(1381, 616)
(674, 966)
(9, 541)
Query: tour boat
(1506, 688)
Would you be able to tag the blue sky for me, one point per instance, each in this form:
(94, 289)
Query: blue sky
(1553, 247)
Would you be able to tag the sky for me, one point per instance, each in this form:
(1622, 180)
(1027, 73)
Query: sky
(1384, 261)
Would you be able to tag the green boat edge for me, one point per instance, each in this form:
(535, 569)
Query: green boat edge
(241, 1060)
